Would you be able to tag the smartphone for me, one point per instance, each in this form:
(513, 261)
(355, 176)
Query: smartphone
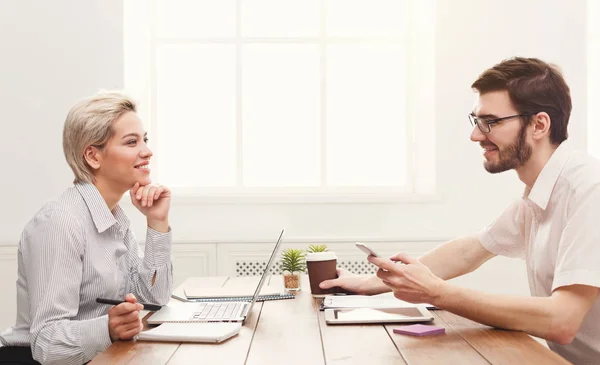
(365, 249)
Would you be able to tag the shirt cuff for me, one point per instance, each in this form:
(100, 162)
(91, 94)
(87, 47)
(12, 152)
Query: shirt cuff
(158, 248)
(576, 277)
(95, 336)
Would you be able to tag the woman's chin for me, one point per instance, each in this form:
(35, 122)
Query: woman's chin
(145, 181)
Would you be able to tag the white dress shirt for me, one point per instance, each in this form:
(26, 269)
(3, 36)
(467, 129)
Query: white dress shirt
(555, 227)
(73, 251)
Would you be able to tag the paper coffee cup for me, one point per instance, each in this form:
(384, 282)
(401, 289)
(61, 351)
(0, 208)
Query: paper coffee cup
(321, 266)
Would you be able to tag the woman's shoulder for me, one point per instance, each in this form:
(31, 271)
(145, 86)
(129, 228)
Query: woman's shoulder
(59, 223)
(66, 207)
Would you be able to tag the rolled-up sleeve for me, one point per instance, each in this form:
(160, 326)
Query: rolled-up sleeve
(52, 249)
(578, 256)
(156, 261)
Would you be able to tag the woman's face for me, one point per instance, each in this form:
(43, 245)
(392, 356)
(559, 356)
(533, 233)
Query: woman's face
(125, 159)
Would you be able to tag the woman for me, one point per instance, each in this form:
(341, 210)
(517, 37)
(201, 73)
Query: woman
(79, 246)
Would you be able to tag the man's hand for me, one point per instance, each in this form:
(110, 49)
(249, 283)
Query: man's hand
(124, 319)
(363, 285)
(412, 282)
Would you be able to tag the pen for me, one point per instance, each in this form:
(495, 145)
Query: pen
(149, 307)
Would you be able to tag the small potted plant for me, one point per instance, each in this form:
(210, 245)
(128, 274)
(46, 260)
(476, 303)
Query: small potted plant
(292, 263)
(316, 248)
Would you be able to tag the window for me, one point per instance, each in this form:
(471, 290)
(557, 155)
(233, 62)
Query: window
(285, 97)
(593, 79)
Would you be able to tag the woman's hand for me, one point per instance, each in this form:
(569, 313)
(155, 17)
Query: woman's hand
(124, 319)
(154, 201)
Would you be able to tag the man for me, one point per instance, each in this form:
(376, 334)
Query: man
(520, 120)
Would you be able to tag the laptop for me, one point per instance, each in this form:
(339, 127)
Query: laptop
(225, 311)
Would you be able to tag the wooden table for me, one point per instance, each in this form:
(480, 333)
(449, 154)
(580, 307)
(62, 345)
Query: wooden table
(294, 331)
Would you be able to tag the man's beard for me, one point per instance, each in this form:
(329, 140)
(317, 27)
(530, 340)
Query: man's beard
(513, 156)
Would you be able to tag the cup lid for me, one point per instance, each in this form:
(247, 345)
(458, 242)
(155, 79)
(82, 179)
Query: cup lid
(321, 256)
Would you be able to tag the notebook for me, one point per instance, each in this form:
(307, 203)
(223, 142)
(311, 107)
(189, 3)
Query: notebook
(191, 332)
(261, 298)
(243, 298)
(221, 292)
(220, 311)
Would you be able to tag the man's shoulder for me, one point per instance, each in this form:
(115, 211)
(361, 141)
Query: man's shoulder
(582, 170)
(579, 181)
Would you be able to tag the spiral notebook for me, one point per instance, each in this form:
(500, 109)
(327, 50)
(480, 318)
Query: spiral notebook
(260, 298)
(204, 294)
(191, 332)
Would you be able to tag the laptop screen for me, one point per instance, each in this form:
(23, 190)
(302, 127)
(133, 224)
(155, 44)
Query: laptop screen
(266, 272)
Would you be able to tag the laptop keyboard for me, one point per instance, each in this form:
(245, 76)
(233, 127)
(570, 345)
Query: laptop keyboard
(213, 311)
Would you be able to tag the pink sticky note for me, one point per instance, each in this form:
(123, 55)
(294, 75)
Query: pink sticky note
(419, 330)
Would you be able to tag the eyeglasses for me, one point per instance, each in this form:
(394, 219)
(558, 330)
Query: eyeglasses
(485, 125)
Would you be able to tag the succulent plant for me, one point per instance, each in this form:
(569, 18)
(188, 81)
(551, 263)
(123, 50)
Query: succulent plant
(293, 260)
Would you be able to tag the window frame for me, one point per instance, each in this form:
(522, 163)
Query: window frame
(420, 161)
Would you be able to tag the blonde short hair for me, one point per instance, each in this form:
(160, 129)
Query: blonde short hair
(89, 123)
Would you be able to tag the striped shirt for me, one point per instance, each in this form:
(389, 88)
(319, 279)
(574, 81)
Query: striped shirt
(73, 251)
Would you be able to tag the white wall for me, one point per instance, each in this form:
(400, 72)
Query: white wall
(55, 52)
(51, 54)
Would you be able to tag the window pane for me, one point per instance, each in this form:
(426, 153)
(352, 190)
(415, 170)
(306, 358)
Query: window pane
(363, 18)
(281, 101)
(280, 18)
(196, 115)
(195, 18)
(365, 116)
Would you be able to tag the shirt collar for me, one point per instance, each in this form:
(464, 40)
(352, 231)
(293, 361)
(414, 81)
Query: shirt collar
(544, 184)
(103, 218)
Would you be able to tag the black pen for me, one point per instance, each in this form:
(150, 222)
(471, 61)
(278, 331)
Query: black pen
(149, 307)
